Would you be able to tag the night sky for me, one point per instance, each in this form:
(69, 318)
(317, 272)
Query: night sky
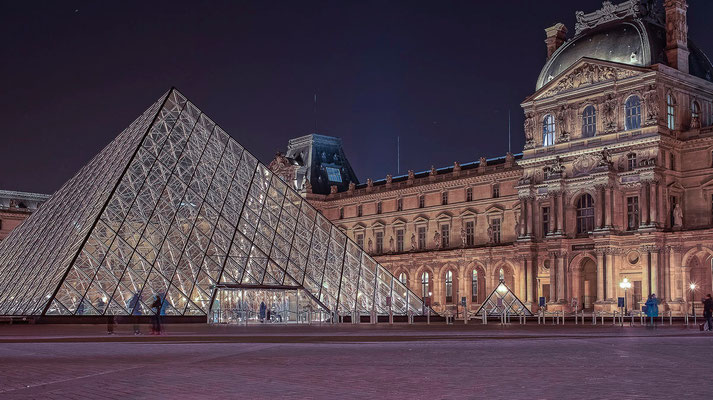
(441, 75)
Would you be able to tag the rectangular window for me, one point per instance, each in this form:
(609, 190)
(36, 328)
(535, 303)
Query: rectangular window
(421, 237)
(378, 208)
(495, 223)
(470, 233)
(360, 240)
(333, 174)
(444, 198)
(421, 201)
(469, 194)
(545, 221)
(631, 161)
(445, 236)
(672, 161)
(400, 240)
(474, 287)
(379, 242)
(632, 212)
(341, 213)
(399, 204)
(496, 191)
(359, 210)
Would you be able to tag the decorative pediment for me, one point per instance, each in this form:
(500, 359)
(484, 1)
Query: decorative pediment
(469, 212)
(494, 209)
(399, 222)
(444, 215)
(584, 73)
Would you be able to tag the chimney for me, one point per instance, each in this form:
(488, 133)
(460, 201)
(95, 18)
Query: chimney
(677, 34)
(556, 35)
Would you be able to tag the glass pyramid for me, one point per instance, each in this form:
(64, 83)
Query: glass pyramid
(175, 207)
(502, 300)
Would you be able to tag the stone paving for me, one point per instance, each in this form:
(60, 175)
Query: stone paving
(364, 361)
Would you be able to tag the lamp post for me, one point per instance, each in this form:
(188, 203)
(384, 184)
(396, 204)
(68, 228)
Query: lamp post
(692, 286)
(626, 285)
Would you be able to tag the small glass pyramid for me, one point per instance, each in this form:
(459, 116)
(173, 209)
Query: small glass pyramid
(501, 301)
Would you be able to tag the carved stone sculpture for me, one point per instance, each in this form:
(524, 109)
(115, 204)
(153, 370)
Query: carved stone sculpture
(369, 246)
(609, 114)
(490, 233)
(391, 244)
(413, 241)
(677, 216)
(529, 130)
(463, 236)
(651, 100)
(437, 240)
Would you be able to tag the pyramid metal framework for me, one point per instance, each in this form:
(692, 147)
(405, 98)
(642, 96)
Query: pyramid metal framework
(510, 303)
(175, 207)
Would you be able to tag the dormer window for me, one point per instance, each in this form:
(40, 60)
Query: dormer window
(333, 174)
(589, 121)
(548, 130)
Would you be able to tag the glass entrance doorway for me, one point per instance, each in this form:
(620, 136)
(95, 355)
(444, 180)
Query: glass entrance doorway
(264, 306)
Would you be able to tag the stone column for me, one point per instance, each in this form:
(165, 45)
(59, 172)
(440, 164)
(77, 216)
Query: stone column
(652, 201)
(531, 269)
(655, 271)
(561, 298)
(599, 207)
(643, 205)
(645, 279)
(611, 285)
(676, 269)
(560, 213)
(600, 274)
(522, 293)
(529, 201)
(553, 213)
(553, 277)
(608, 206)
(523, 212)
(685, 278)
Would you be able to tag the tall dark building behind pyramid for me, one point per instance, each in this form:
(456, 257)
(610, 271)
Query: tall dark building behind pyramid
(176, 208)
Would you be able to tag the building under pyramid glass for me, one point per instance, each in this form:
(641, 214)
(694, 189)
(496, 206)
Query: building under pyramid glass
(176, 208)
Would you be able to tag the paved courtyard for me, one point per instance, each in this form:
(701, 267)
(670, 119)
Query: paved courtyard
(411, 362)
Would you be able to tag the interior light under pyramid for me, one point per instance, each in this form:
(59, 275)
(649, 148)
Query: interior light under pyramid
(175, 207)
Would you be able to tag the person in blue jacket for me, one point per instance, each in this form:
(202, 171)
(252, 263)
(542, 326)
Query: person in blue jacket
(652, 309)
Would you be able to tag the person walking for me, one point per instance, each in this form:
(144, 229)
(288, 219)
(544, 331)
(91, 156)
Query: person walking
(708, 311)
(134, 306)
(156, 305)
(652, 309)
(263, 308)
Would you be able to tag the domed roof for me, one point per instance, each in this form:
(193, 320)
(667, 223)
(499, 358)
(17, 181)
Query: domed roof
(631, 41)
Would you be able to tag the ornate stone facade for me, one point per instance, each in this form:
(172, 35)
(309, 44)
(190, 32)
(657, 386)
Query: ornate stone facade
(630, 196)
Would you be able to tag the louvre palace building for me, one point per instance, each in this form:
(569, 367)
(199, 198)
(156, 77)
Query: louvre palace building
(615, 181)
(614, 185)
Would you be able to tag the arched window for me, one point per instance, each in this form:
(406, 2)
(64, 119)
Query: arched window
(589, 121)
(548, 130)
(402, 278)
(632, 108)
(670, 111)
(424, 284)
(695, 115)
(585, 214)
(502, 275)
(449, 287)
(474, 286)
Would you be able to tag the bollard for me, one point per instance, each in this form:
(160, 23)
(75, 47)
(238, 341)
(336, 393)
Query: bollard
(465, 317)
(670, 318)
(594, 317)
(641, 318)
(563, 316)
(539, 315)
(428, 316)
(485, 316)
(391, 316)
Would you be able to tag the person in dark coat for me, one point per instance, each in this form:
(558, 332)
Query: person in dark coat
(156, 305)
(708, 311)
(263, 309)
(652, 309)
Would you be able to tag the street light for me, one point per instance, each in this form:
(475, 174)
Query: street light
(626, 285)
(693, 289)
